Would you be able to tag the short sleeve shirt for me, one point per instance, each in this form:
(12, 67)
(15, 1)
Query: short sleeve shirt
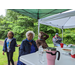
(8, 44)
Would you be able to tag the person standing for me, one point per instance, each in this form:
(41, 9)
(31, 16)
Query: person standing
(9, 47)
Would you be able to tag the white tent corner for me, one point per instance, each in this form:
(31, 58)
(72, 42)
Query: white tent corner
(63, 21)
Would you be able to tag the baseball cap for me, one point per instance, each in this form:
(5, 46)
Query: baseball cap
(56, 34)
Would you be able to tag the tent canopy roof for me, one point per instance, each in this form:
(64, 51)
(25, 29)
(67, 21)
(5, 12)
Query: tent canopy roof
(39, 13)
(62, 20)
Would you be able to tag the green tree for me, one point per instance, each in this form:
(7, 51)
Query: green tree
(17, 23)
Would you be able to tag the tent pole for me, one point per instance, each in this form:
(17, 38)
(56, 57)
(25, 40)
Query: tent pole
(62, 34)
(62, 28)
(38, 27)
(38, 22)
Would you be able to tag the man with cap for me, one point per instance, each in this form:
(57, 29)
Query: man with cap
(56, 40)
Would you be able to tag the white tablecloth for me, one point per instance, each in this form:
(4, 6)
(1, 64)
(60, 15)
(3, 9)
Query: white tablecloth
(33, 59)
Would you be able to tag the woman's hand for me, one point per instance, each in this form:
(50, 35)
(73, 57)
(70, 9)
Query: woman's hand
(44, 35)
(18, 45)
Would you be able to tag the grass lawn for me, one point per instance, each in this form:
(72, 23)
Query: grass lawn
(3, 58)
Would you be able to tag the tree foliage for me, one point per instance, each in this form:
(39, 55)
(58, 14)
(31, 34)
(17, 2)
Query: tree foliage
(20, 24)
(17, 23)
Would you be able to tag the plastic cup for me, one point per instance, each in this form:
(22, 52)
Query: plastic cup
(73, 56)
(61, 44)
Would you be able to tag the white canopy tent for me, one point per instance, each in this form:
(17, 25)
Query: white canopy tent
(63, 21)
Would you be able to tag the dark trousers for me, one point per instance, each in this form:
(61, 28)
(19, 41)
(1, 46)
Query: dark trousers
(10, 57)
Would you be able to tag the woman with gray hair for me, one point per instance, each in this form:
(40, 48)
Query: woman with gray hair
(27, 46)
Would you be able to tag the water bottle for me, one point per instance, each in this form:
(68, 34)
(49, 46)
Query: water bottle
(41, 55)
(40, 50)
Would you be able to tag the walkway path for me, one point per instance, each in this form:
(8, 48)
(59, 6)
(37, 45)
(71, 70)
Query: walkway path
(1, 43)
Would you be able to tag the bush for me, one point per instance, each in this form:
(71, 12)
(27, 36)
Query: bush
(18, 37)
(3, 35)
(68, 36)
